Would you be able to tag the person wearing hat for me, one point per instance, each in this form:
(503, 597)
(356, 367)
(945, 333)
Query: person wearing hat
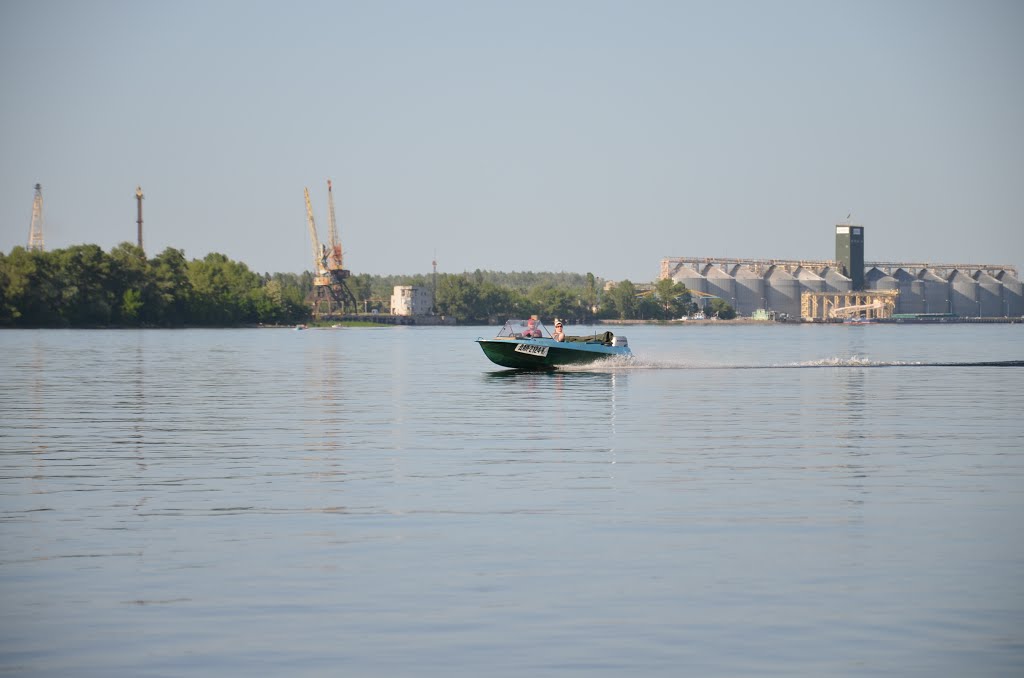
(558, 334)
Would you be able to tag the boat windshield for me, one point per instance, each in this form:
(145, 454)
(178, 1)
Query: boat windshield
(523, 329)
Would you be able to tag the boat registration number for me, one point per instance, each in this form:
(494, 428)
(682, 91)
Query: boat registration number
(532, 349)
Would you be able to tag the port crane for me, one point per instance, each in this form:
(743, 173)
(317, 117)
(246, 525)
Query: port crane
(335, 244)
(330, 294)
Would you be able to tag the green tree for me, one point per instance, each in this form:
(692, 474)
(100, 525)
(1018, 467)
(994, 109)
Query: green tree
(361, 287)
(171, 291)
(498, 303)
(131, 306)
(274, 291)
(590, 297)
(32, 298)
(551, 301)
(672, 298)
(225, 291)
(6, 309)
(294, 290)
(456, 296)
(719, 308)
(87, 296)
(623, 300)
(648, 308)
(289, 291)
(131, 283)
(280, 300)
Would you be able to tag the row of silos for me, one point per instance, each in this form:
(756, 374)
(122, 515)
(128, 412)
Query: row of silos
(778, 288)
(970, 294)
(747, 289)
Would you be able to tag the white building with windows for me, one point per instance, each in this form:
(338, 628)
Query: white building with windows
(410, 300)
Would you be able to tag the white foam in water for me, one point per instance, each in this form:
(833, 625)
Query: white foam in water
(620, 363)
(640, 363)
(836, 361)
(635, 362)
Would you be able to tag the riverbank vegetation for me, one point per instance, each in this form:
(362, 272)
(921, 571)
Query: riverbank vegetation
(84, 286)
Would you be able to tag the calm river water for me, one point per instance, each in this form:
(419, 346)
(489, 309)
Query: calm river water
(750, 500)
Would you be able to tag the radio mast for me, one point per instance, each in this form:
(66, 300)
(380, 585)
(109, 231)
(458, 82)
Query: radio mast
(138, 198)
(433, 290)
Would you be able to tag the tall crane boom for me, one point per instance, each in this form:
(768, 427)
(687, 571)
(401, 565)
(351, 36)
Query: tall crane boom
(335, 243)
(319, 256)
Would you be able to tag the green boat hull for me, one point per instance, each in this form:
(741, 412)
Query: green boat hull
(546, 354)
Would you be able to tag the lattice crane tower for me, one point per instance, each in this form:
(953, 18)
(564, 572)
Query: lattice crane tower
(335, 244)
(35, 229)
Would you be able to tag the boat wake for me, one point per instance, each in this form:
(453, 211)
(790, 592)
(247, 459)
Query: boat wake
(865, 362)
(640, 363)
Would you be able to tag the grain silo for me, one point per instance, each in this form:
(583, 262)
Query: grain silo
(935, 291)
(876, 279)
(691, 278)
(809, 281)
(990, 295)
(911, 297)
(1013, 294)
(963, 294)
(835, 281)
(720, 284)
(749, 290)
(782, 292)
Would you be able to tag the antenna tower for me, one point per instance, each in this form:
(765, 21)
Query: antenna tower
(138, 198)
(35, 229)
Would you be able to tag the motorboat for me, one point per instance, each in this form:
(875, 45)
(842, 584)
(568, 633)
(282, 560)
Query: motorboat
(528, 345)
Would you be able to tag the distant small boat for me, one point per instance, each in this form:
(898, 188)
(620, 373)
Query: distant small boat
(859, 321)
(300, 327)
(527, 345)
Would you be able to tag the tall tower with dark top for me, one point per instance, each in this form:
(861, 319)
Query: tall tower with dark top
(850, 254)
(138, 199)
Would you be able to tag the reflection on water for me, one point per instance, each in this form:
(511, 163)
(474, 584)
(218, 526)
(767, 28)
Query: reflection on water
(269, 502)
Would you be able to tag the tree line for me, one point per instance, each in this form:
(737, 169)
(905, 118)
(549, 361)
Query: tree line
(84, 286)
(483, 297)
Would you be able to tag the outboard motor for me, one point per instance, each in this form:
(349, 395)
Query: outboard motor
(619, 341)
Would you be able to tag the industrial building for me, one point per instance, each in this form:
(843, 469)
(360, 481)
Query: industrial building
(409, 300)
(848, 286)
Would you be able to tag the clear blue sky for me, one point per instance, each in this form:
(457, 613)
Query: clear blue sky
(548, 136)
